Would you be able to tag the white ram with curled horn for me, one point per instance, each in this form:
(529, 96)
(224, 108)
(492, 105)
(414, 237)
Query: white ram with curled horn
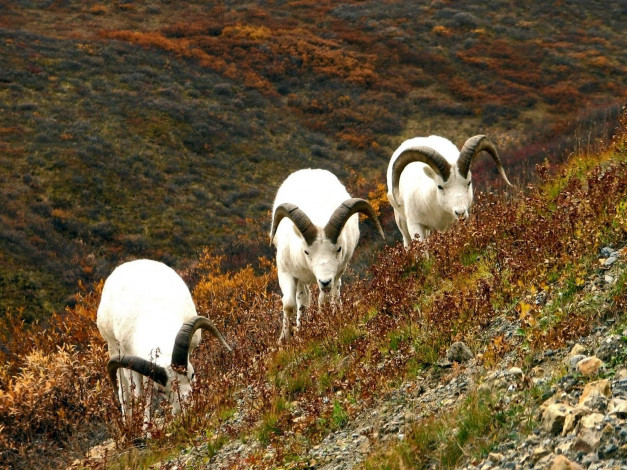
(148, 319)
(430, 183)
(315, 229)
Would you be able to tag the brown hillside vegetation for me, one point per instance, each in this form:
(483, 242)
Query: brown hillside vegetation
(395, 322)
(157, 128)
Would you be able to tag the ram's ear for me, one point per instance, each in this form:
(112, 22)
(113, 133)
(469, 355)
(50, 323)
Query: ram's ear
(429, 172)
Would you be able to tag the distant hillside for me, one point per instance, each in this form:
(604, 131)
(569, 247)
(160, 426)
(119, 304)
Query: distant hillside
(156, 128)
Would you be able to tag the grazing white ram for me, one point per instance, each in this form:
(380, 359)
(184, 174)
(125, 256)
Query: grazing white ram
(315, 228)
(430, 184)
(148, 318)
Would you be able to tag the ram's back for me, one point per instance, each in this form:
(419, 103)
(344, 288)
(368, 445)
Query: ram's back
(316, 192)
(143, 305)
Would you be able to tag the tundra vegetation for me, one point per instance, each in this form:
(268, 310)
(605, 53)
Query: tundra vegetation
(155, 128)
(395, 322)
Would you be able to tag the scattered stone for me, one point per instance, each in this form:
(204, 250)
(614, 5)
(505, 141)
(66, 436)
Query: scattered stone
(562, 463)
(592, 421)
(554, 417)
(607, 451)
(516, 372)
(611, 347)
(589, 435)
(576, 350)
(459, 352)
(573, 418)
(620, 386)
(541, 298)
(618, 407)
(589, 366)
(582, 425)
(572, 361)
(620, 374)
(569, 382)
(600, 388)
(607, 262)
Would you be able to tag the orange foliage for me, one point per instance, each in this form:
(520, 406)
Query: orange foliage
(98, 10)
(51, 376)
(224, 296)
(563, 95)
(441, 31)
(181, 47)
(257, 50)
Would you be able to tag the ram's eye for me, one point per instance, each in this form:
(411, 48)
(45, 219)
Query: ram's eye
(339, 249)
(469, 184)
(440, 187)
(306, 252)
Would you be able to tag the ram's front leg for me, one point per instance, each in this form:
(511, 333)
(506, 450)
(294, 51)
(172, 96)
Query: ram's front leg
(402, 226)
(288, 288)
(419, 229)
(322, 298)
(336, 301)
(303, 299)
(124, 393)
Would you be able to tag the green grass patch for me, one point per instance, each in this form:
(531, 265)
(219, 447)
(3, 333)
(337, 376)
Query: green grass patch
(470, 430)
(339, 415)
(269, 427)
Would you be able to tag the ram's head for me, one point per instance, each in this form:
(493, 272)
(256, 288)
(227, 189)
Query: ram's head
(323, 247)
(453, 181)
(174, 381)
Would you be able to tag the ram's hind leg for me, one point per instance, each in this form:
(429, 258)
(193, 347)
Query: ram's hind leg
(303, 300)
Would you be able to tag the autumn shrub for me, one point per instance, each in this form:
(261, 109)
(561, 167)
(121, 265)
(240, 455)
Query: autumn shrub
(226, 296)
(52, 385)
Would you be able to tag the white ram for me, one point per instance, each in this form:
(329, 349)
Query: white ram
(315, 229)
(148, 319)
(430, 184)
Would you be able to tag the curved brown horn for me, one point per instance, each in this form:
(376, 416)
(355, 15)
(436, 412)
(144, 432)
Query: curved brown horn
(421, 154)
(184, 338)
(137, 364)
(300, 219)
(472, 147)
(344, 211)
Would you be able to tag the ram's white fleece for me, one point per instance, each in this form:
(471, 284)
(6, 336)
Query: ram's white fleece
(144, 303)
(317, 193)
(420, 206)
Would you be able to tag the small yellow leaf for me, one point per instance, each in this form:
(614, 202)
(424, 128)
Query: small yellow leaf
(525, 308)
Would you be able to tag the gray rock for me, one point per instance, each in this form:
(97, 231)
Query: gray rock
(571, 362)
(459, 352)
(607, 251)
(611, 347)
(554, 417)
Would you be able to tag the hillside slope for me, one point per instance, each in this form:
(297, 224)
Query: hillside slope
(519, 283)
(157, 128)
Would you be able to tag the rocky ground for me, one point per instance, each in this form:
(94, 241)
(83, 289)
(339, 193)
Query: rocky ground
(582, 422)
